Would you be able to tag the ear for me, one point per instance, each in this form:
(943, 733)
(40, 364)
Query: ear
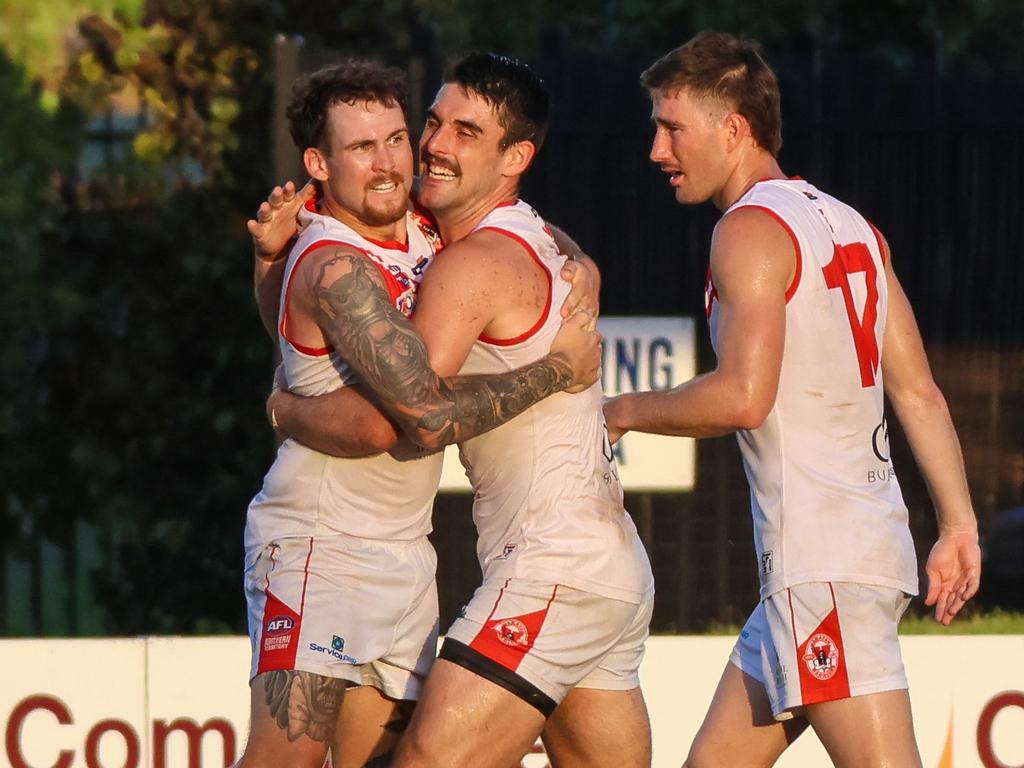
(316, 163)
(517, 158)
(737, 128)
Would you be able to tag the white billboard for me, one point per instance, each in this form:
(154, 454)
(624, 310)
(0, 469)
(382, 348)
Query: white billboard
(640, 353)
(183, 702)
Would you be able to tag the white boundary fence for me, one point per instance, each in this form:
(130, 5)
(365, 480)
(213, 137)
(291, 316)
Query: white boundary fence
(183, 702)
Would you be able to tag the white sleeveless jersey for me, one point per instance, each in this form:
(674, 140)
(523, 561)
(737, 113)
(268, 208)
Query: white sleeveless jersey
(547, 499)
(825, 499)
(307, 493)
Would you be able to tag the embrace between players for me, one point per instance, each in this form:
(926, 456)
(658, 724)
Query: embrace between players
(412, 317)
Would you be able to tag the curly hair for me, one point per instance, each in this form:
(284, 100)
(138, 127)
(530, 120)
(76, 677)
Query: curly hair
(351, 81)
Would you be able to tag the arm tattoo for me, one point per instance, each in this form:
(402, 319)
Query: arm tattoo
(359, 319)
(304, 703)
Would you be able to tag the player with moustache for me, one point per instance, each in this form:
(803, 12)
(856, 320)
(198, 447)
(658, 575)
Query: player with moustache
(552, 640)
(339, 572)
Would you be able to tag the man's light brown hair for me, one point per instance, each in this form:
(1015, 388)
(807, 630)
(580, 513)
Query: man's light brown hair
(729, 69)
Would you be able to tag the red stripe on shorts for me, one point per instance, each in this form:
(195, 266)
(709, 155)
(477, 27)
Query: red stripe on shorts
(279, 636)
(821, 659)
(506, 641)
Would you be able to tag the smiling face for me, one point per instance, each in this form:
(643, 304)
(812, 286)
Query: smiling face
(691, 144)
(366, 167)
(461, 159)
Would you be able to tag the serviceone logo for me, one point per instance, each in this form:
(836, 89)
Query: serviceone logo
(821, 656)
(512, 632)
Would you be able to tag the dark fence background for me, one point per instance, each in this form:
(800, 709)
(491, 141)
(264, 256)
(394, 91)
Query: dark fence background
(933, 155)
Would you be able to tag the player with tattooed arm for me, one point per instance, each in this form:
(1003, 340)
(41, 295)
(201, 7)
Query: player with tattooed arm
(339, 573)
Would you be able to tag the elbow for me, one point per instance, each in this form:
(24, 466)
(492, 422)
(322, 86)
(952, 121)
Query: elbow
(751, 408)
(378, 435)
(751, 417)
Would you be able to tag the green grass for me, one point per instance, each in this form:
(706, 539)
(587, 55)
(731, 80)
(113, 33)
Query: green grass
(995, 622)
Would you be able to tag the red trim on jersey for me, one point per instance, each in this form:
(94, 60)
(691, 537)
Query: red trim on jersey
(547, 304)
(283, 325)
(506, 204)
(395, 290)
(281, 626)
(878, 237)
(796, 246)
(507, 641)
(821, 659)
(391, 245)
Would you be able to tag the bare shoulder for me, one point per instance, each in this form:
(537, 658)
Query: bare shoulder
(750, 242)
(484, 257)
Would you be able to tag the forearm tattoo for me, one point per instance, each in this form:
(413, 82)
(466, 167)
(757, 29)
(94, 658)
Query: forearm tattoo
(381, 344)
(303, 703)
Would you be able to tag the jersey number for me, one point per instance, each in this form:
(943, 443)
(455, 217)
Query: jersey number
(847, 259)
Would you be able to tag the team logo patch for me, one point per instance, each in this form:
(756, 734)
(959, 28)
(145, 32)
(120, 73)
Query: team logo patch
(512, 632)
(821, 655)
(280, 624)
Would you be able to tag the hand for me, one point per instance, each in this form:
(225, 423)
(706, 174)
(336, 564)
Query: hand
(612, 409)
(586, 286)
(276, 223)
(954, 572)
(579, 344)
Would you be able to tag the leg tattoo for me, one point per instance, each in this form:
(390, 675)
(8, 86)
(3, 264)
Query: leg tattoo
(304, 704)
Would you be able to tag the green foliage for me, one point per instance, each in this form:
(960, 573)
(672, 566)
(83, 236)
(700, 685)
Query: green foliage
(184, 63)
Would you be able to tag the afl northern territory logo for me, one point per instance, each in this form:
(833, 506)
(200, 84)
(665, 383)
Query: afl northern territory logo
(880, 442)
(821, 656)
(512, 632)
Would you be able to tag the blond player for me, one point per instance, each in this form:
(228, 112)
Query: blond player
(807, 318)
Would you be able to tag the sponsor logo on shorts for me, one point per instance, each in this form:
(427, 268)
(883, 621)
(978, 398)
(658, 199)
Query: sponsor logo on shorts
(280, 624)
(512, 632)
(335, 652)
(338, 643)
(277, 643)
(821, 656)
(767, 562)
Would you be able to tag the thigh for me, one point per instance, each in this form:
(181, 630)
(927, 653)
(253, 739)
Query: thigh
(599, 728)
(369, 727)
(739, 728)
(463, 719)
(293, 719)
(873, 729)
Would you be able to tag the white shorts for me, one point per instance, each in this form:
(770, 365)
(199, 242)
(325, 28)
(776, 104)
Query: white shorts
(359, 609)
(540, 640)
(823, 641)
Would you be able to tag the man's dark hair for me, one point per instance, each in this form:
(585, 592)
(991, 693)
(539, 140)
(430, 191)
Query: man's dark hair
(513, 89)
(351, 81)
(727, 68)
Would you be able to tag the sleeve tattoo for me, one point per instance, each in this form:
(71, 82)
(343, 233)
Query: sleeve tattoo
(358, 318)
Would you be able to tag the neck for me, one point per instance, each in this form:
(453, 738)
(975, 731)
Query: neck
(394, 230)
(760, 166)
(456, 223)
